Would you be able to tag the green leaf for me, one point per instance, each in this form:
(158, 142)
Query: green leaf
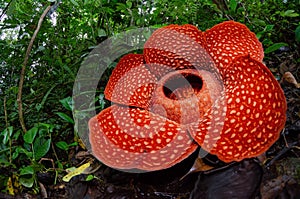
(7, 133)
(20, 150)
(27, 170)
(62, 145)
(129, 4)
(49, 127)
(73, 144)
(297, 33)
(290, 13)
(27, 181)
(41, 147)
(269, 27)
(275, 47)
(259, 22)
(101, 32)
(101, 101)
(233, 5)
(259, 34)
(67, 103)
(17, 134)
(89, 177)
(75, 3)
(30, 135)
(40, 48)
(121, 7)
(69, 70)
(60, 165)
(65, 117)
(41, 105)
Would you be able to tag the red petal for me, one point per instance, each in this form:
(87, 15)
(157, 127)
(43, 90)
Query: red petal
(130, 82)
(255, 113)
(175, 47)
(128, 138)
(206, 132)
(229, 40)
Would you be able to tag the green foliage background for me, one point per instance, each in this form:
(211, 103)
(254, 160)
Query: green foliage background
(60, 48)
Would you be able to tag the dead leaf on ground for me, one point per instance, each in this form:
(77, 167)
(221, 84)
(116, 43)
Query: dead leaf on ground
(274, 187)
(289, 78)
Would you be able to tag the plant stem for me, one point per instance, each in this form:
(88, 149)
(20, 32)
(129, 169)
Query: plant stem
(22, 75)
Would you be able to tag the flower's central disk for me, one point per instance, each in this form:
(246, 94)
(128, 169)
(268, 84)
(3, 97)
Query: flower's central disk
(184, 96)
(182, 86)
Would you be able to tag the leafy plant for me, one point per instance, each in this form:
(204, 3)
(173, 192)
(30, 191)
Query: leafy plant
(64, 145)
(27, 176)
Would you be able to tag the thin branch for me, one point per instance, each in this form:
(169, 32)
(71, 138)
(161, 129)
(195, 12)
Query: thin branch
(22, 75)
(5, 9)
(281, 153)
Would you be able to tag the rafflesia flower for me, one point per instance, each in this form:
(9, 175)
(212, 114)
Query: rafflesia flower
(188, 89)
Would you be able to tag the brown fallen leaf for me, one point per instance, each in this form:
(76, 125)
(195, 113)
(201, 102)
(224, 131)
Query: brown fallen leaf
(82, 155)
(288, 77)
(272, 188)
(198, 166)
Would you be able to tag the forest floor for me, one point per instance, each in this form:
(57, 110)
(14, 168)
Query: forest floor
(276, 175)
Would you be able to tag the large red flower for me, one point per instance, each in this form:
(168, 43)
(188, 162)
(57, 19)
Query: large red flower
(189, 88)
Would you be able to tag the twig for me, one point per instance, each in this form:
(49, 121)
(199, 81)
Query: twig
(55, 154)
(285, 141)
(282, 152)
(5, 9)
(22, 75)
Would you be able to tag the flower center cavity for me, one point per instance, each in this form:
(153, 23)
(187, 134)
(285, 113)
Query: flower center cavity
(182, 86)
